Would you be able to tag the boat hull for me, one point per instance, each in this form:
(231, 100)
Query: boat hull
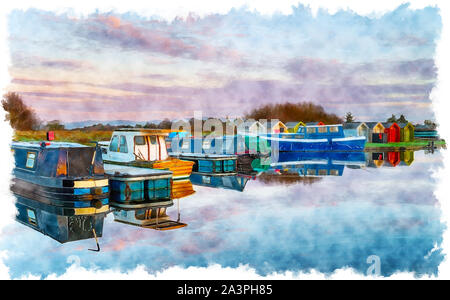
(331, 144)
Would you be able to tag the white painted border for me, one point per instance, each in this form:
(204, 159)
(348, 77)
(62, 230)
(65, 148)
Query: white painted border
(169, 9)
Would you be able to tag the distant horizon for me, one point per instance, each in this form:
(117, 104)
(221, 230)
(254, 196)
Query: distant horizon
(106, 122)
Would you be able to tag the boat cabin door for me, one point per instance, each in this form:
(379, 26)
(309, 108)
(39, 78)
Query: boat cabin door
(150, 148)
(154, 148)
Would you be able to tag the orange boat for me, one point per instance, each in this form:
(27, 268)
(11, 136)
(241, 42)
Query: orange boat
(144, 148)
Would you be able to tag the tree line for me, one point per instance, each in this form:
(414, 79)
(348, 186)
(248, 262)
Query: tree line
(22, 117)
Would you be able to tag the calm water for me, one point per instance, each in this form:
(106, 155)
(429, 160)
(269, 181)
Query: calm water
(276, 224)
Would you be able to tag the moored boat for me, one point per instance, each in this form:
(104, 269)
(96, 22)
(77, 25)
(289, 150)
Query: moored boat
(144, 148)
(61, 189)
(315, 138)
(133, 187)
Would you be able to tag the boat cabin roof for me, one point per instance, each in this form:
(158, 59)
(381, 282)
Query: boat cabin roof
(141, 131)
(51, 145)
(119, 171)
(322, 126)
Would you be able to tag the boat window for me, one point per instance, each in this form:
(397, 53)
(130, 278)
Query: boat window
(142, 214)
(153, 140)
(185, 145)
(311, 171)
(301, 130)
(139, 140)
(334, 129)
(85, 161)
(206, 144)
(334, 172)
(114, 143)
(31, 217)
(311, 129)
(31, 156)
(323, 172)
(206, 179)
(322, 129)
(123, 144)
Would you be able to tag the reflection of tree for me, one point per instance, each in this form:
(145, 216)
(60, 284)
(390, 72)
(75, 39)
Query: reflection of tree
(286, 179)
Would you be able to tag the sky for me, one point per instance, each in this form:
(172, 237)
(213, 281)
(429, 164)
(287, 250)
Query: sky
(126, 66)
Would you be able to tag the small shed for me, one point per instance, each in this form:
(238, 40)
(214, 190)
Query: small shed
(293, 126)
(393, 132)
(252, 127)
(406, 132)
(277, 127)
(356, 129)
(374, 127)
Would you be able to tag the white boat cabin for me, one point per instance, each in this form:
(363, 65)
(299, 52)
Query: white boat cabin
(128, 145)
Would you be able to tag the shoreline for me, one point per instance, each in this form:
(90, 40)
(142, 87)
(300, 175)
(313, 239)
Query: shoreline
(418, 145)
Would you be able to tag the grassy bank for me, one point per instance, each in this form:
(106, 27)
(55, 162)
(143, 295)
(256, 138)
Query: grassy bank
(74, 136)
(414, 144)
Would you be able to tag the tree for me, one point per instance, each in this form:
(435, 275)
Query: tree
(392, 119)
(165, 124)
(54, 125)
(150, 125)
(349, 118)
(19, 115)
(402, 119)
(430, 123)
(287, 112)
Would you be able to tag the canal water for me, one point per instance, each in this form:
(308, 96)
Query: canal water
(378, 217)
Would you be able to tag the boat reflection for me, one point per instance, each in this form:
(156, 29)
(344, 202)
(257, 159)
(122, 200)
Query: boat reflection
(312, 164)
(61, 189)
(153, 216)
(223, 181)
(51, 221)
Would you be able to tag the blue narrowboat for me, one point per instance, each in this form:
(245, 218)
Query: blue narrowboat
(209, 163)
(61, 189)
(228, 144)
(315, 138)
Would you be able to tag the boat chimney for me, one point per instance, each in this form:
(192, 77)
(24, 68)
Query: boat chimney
(50, 135)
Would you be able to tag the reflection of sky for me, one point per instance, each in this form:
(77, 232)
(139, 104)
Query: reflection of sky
(334, 223)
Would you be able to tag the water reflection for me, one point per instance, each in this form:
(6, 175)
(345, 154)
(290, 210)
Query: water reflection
(154, 216)
(351, 207)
